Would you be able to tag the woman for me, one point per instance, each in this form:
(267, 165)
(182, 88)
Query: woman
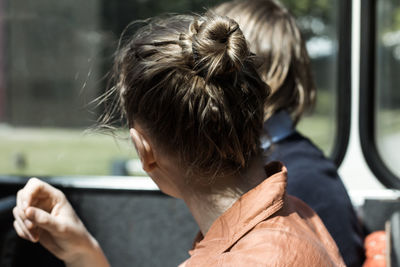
(193, 102)
(275, 38)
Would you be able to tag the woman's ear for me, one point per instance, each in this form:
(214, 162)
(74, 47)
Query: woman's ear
(144, 150)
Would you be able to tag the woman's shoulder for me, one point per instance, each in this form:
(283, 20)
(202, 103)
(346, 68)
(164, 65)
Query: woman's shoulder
(295, 228)
(311, 176)
(304, 161)
(314, 179)
(278, 241)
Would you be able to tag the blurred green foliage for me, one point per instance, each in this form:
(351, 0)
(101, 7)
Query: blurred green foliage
(317, 8)
(47, 151)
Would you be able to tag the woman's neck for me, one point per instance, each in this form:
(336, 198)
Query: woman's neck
(208, 203)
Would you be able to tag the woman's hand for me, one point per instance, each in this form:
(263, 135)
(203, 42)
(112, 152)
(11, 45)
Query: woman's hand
(43, 214)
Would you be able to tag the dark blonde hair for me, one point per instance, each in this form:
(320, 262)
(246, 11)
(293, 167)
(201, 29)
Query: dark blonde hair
(190, 82)
(274, 36)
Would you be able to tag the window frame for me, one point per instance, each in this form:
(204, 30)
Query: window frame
(108, 183)
(343, 103)
(367, 95)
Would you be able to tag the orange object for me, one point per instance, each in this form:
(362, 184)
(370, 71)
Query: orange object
(375, 249)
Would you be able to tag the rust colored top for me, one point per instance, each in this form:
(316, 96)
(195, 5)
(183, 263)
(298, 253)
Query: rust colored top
(266, 227)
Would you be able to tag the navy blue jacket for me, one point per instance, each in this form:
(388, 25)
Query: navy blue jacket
(313, 178)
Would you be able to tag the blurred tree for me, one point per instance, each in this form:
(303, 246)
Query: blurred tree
(313, 15)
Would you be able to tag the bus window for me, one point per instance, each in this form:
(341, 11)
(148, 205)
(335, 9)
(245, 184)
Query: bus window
(379, 94)
(327, 43)
(54, 60)
(387, 69)
(54, 57)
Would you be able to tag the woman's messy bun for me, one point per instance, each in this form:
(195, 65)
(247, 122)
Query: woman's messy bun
(190, 82)
(218, 46)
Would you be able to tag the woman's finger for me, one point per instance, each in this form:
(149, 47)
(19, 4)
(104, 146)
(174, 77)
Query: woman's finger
(19, 217)
(19, 198)
(33, 188)
(25, 225)
(19, 231)
(42, 219)
(20, 214)
(24, 195)
(40, 194)
(23, 232)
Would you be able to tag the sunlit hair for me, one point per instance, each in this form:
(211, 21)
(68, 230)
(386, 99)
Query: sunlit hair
(190, 82)
(273, 35)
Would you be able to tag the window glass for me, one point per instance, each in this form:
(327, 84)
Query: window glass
(54, 60)
(387, 69)
(54, 57)
(319, 24)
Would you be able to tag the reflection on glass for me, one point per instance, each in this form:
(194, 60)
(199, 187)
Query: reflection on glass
(387, 115)
(318, 22)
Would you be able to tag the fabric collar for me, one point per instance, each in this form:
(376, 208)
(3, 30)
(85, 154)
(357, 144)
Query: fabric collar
(276, 128)
(255, 206)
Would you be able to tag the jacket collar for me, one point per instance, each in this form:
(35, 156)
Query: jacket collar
(276, 128)
(255, 206)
